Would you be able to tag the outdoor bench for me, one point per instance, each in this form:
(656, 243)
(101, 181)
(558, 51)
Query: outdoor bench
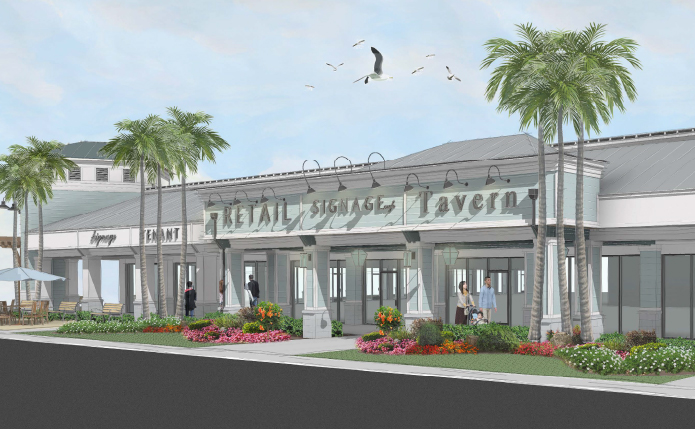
(66, 307)
(109, 310)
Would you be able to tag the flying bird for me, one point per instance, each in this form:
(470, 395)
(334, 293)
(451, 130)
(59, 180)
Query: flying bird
(335, 68)
(429, 56)
(309, 87)
(359, 43)
(451, 75)
(378, 73)
(418, 70)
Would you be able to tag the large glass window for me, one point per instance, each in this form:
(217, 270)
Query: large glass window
(518, 288)
(630, 296)
(457, 274)
(373, 280)
(677, 290)
(297, 282)
(610, 288)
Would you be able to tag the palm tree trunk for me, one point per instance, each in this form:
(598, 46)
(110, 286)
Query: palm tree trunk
(25, 242)
(39, 263)
(582, 271)
(539, 267)
(560, 228)
(184, 236)
(160, 259)
(143, 256)
(15, 255)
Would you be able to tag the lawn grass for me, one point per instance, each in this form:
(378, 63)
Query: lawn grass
(494, 362)
(157, 339)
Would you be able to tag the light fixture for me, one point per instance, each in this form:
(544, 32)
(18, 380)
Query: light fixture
(15, 208)
(264, 199)
(358, 257)
(310, 190)
(341, 187)
(448, 184)
(533, 195)
(410, 187)
(408, 258)
(304, 260)
(375, 184)
(210, 203)
(450, 254)
(237, 201)
(567, 251)
(4, 206)
(490, 180)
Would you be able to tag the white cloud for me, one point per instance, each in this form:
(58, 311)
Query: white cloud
(200, 176)
(20, 72)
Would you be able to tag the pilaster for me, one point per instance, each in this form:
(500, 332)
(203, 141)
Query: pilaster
(316, 315)
(91, 284)
(419, 280)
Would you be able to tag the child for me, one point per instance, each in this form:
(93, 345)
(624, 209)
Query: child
(480, 320)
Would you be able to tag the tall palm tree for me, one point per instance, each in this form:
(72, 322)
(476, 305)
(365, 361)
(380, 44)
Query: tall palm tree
(606, 78)
(135, 144)
(195, 142)
(515, 72)
(46, 157)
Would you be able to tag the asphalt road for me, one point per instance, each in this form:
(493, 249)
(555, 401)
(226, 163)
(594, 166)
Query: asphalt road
(56, 386)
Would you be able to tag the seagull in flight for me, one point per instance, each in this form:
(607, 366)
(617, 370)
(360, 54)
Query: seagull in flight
(358, 44)
(309, 87)
(451, 75)
(429, 56)
(418, 70)
(335, 68)
(378, 73)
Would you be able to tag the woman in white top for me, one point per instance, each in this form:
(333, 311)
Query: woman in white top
(465, 300)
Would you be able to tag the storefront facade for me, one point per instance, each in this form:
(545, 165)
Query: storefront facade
(335, 244)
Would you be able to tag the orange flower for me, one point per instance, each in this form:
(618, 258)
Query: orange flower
(261, 328)
(381, 332)
(390, 319)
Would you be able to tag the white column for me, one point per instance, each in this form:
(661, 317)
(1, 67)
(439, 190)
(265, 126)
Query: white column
(91, 284)
(71, 283)
(419, 280)
(353, 292)
(121, 283)
(316, 317)
(47, 268)
(137, 287)
(235, 295)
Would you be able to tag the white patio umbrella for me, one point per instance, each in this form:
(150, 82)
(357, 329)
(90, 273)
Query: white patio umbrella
(21, 274)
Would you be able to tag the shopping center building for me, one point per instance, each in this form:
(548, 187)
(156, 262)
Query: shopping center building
(337, 243)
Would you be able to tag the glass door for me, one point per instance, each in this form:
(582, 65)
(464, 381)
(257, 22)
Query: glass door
(296, 289)
(500, 281)
(338, 293)
(372, 296)
(455, 274)
(257, 270)
(190, 277)
(677, 295)
(383, 287)
(389, 281)
(518, 290)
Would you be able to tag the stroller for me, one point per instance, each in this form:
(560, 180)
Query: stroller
(473, 317)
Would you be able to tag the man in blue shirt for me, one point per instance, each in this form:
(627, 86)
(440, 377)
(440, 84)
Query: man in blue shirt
(487, 300)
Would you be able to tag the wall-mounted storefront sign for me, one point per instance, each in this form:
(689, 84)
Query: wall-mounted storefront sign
(168, 235)
(96, 239)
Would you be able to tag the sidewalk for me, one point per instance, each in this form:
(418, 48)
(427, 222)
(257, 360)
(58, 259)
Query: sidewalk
(287, 352)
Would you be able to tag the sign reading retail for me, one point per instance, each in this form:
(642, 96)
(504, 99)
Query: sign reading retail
(168, 235)
(260, 214)
(99, 238)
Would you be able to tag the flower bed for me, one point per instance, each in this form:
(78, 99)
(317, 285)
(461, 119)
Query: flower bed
(384, 345)
(165, 329)
(112, 327)
(213, 334)
(449, 347)
(536, 349)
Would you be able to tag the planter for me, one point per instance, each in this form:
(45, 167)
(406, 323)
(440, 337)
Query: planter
(472, 340)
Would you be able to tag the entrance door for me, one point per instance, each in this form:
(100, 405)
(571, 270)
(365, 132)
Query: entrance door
(338, 293)
(257, 269)
(296, 289)
(500, 283)
(129, 285)
(382, 287)
(190, 277)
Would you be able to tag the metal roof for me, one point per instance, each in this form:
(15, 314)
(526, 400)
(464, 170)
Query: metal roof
(127, 213)
(85, 150)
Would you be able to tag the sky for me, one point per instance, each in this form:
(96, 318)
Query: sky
(71, 69)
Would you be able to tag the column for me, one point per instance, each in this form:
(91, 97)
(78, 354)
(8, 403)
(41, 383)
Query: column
(121, 284)
(419, 280)
(316, 317)
(593, 259)
(137, 287)
(46, 287)
(551, 290)
(208, 275)
(235, 295)
(91, 284)
(650, 290)
(282, 290)
(72, 275)
(272, 281)
(354, 288)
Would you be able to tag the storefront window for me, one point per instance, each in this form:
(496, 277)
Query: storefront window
(298, 282)
(372, 280)
(457, 274)
(610, 287)
(630, 297)
(677, 289)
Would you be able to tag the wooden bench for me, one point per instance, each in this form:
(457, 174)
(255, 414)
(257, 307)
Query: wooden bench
(109, 310)
(66, 307)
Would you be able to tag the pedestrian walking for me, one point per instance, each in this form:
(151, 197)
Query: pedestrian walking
(189, 296)
(255, 291)
(221, 307)
(465, 300)
(487, 300)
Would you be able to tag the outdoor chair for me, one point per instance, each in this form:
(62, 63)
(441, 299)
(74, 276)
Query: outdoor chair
(34, 312)
(14, 309)
(43, 312)
(4, 313)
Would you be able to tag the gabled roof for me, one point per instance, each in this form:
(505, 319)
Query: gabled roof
(84, 150)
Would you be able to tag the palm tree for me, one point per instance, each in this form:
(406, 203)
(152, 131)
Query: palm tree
(194, 142)
(47, 159)
(516, 72)
(605, 78)
(11, 184)
(135, 144)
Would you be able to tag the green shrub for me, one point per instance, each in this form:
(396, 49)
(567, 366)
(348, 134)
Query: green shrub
(268, 315)
(647, 347)
(430, 335)
(577, 335)
(639, 338)
(336, 328)
(615, 344)
(252, 328)
(387, 318)
(461, 331)
(401, 334)
(292, 326)
(214, 315)
(587, 346)
(212, 335)
(549, 334)
(447, 336)
(418, 323)
(199, 324)
(678, 342)
(521, 332)
(613, 336)
(247, 315)
(227, 321)
(372, 336)
(495, 337)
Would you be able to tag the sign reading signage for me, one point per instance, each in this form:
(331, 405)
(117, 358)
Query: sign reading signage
(98, 238)
(168, 235)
